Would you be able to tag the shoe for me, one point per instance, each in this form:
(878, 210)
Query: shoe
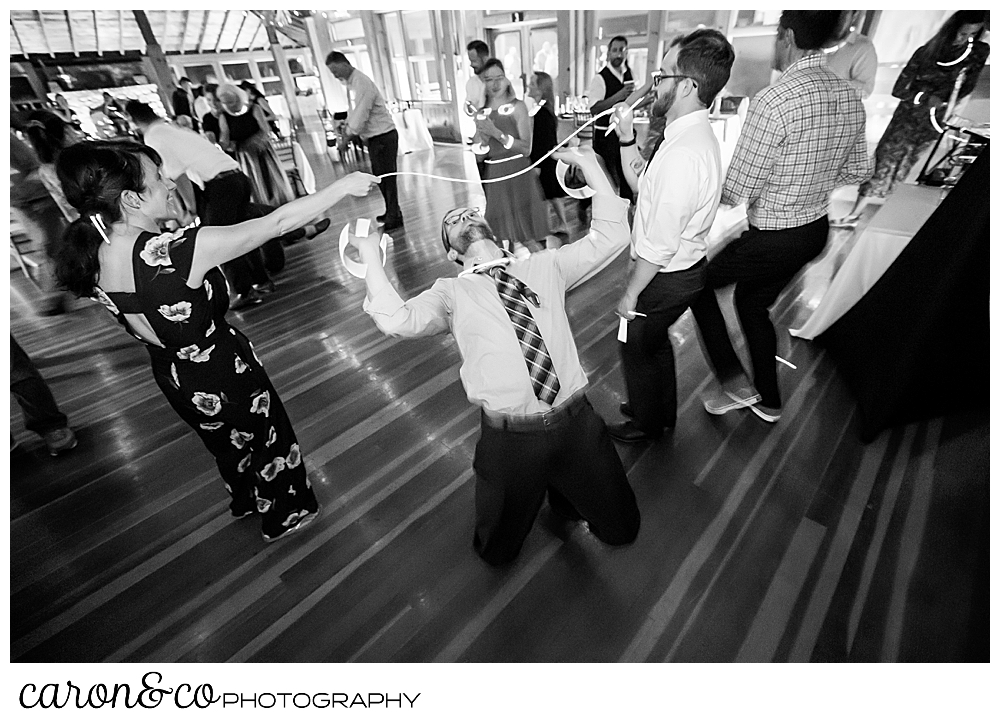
(314, 230)
(381, 219)
(630, 434)
(768, 414)
(242, 301)
(293, 529)
(626, 410)
(725, 401)
(59, 440)
(267, 288)
(392, 225)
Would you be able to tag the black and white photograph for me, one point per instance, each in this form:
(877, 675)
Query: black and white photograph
(535, 337)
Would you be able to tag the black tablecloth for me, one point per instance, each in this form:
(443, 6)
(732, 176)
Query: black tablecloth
(917, 344)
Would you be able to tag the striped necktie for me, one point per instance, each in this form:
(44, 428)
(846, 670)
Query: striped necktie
(513, 294)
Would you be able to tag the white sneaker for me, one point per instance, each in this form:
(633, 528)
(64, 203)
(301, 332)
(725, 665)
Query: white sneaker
(725, 401)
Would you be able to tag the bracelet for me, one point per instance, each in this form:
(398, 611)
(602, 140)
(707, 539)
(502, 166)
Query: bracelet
(626, 144)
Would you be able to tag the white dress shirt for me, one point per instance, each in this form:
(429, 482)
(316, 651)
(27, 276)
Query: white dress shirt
(185, 151)
(493, 370)
(595, 93)
(679, 195)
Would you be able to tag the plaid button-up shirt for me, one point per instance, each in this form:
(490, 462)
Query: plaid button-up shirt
(803, 136)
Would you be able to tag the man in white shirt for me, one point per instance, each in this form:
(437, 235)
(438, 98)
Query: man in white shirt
(853, 56)
(678, 196)
(222, 198)
(369, 120)
(539, 435)
(610, 86)
(475, 88)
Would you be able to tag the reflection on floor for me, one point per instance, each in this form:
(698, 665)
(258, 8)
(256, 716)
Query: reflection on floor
(758, 542)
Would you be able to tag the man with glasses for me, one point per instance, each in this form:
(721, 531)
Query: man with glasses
(803, 136)
(678, 196)
(540, 435)
(610, 86)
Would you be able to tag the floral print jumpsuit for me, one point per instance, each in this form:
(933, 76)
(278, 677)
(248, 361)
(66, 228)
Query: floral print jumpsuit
(213, 379)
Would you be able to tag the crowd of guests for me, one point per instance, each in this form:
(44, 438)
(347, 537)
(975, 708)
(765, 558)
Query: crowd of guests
(803, 136)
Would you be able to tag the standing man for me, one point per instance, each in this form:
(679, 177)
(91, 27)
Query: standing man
(475, 88)
(612, 85)
(803, 136)
(540, 436)
(852, 56)
(369, 119)
(183, 102)
(678, 196)
(210, 119)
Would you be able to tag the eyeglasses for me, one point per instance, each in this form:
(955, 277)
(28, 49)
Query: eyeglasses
(657, 77)
(460, 215)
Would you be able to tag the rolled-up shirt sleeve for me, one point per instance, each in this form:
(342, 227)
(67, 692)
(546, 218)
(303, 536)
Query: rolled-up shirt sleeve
(609, 235)
(426, 314)
(679, 195)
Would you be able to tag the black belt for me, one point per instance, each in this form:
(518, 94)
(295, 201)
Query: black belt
(536, 422)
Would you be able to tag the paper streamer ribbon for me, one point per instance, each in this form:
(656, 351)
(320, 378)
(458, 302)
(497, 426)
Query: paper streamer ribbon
(353, 267)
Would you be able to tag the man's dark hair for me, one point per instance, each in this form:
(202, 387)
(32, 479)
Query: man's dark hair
(618, 39)
(335, 56)
(185, 80)
(141, 112)
(210, 88)
(813, 29)
(479, 47)
(707, 57)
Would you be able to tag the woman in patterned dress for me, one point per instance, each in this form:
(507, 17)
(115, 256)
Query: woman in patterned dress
(515, 209)
(167, 291)
(924, 86)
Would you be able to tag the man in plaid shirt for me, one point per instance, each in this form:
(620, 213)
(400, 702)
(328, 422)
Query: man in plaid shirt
(803, 136)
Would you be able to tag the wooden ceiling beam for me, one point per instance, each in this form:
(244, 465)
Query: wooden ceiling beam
(204, 26)
(253, 38)
(121, 32)
(17, 37)
(72, 38)
(222, 29)
(45, 37)
(97, 35)
(184, 32)
(242, 23)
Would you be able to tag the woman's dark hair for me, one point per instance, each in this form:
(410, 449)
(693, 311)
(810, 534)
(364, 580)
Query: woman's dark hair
(944, 37)
(93, 175)
(544, 82)
(47, 133)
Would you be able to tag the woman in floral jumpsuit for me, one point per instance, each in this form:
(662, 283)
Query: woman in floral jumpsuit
(166, 290)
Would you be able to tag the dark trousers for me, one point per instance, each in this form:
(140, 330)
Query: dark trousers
(41, 414)
(382, 151)
(225, 201)
(760, 263)
(610, 152)
(574, 461)
(648, 355)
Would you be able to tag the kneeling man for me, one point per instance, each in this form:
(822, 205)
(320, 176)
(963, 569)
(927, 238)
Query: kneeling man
(520, 366)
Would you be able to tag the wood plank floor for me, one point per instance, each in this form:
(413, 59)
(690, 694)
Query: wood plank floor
(791, 542)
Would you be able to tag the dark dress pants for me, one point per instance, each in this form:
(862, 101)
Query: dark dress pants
(760, 263)
(574, 461)
(648, 355)
(41, 414)
(382, 151)
(225, 201)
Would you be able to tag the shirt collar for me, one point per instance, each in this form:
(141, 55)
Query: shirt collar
(618, 74)
(685, 121)
(813, 60)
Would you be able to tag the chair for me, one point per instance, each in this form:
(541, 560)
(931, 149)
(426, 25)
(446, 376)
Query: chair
(286, 155)
(21, 249)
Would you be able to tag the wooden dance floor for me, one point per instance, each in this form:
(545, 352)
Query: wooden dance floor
(786, 542)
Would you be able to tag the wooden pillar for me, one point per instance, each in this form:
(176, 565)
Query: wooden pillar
(449, 53)
(319, 44)
(154, 62)
(564, 45)
(653, 32)
(287, 82)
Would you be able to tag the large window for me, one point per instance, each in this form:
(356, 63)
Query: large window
(237, 71)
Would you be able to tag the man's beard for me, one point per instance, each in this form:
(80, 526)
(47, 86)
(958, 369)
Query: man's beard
(663, 104)
(473, 232)
(617, 61)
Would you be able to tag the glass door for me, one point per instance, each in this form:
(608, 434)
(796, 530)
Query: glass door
(507, 47)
